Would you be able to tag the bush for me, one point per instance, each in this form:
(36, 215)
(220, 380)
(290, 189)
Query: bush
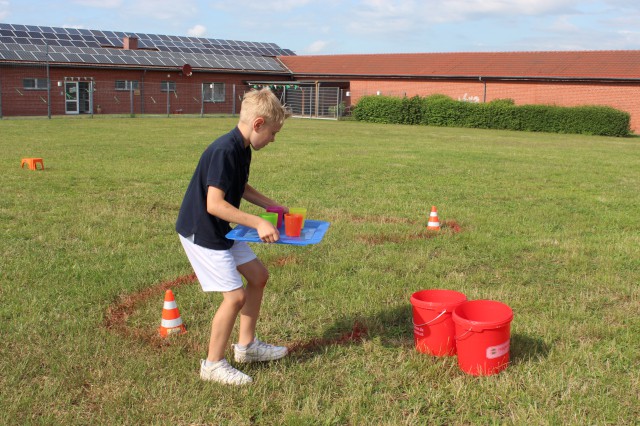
(441, 110)
(411, 110)
(378, 109)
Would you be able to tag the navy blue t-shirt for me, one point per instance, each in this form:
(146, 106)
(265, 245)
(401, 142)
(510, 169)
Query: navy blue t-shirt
(225, 165)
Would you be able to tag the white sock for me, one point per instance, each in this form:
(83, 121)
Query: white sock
(208, 363)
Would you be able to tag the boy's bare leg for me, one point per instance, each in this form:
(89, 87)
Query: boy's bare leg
(223, 322)
(256, 275)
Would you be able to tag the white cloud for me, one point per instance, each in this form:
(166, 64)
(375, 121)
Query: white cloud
(162, 9)
(249, 6)
(5, 7)
(76, 26)
(383, 15)
(564, 25)
(197, 31)
(510, 7)
(316, 47)
(380, 16)
(104, 4)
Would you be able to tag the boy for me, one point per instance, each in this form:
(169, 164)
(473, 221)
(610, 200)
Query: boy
(211, 202)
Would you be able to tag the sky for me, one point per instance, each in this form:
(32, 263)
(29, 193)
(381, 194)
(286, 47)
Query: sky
(327, 27)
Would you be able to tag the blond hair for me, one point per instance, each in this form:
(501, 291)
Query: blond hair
(263, 103)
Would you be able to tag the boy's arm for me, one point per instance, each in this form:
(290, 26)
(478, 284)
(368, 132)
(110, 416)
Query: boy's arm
(217, 206)
(256, 197)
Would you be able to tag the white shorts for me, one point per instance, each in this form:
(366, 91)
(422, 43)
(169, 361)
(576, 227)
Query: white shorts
(217, 270)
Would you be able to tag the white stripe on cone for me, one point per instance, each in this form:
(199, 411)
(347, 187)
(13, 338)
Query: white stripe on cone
(171, 323)
(170, 304)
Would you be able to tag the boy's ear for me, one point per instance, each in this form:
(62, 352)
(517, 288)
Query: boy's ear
(257, 123)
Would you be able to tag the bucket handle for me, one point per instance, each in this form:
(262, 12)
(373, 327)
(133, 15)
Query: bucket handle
(429, 322)
(463, 334)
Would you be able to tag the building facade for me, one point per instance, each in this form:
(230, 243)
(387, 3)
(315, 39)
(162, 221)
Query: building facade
(66, 71)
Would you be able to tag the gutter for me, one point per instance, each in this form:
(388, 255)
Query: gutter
(142, 67)
(554, 79)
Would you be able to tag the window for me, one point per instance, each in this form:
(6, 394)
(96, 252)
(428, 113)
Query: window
(168, 86)
(34, 84)
(213, 92)
(126, 85)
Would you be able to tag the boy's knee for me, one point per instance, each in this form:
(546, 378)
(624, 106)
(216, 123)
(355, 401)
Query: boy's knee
(255, 273)
(263, 278)
(236, 298)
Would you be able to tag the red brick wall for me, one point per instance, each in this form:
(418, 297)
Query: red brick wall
(16, 101)
(625, 97)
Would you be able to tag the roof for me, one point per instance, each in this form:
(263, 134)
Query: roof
(30, 43)
(614, 64)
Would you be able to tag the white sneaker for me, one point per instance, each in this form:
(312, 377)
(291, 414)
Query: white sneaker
(222, 372)
(259, 351)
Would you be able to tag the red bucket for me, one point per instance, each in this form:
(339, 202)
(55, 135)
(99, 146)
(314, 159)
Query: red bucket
(433, 328)
(483, 330)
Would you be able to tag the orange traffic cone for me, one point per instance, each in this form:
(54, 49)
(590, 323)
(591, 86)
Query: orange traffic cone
(171, 321)
(434, 223)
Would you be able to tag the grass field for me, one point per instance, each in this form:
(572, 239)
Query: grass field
(548, 224)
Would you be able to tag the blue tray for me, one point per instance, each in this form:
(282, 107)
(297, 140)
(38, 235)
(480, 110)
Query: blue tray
(312, 233)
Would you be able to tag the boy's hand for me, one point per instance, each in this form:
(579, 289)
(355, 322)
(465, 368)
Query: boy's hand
(267, 232)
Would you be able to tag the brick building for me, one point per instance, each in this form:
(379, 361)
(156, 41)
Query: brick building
(609, 78)
(107, 72)
(94, 72)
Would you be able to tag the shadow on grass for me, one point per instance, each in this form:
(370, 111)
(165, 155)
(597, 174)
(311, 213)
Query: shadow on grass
(392, 327)
(526, 348)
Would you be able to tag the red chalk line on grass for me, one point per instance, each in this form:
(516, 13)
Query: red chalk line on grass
(118, 313)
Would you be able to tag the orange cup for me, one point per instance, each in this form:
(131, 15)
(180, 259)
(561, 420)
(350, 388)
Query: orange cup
(293, 225)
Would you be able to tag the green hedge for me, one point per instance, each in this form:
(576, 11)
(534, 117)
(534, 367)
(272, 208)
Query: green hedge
(441, 110)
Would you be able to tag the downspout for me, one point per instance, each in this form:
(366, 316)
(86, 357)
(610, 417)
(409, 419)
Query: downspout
(144, 72)
(317, 100)
(484, 96)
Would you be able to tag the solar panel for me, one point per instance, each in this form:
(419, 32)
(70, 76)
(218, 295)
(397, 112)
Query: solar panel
(74, 58)
(117, 60)
(31, 48)
(157, 61)
(58, 57)
(144, 61)
(9, 55)
(85, 46)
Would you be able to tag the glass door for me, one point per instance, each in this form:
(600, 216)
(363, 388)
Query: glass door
(71, 104)
(84, 97)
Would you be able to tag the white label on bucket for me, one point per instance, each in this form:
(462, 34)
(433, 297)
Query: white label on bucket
(498, 350)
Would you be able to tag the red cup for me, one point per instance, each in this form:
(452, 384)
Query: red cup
(280, 211)
(293, 225)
